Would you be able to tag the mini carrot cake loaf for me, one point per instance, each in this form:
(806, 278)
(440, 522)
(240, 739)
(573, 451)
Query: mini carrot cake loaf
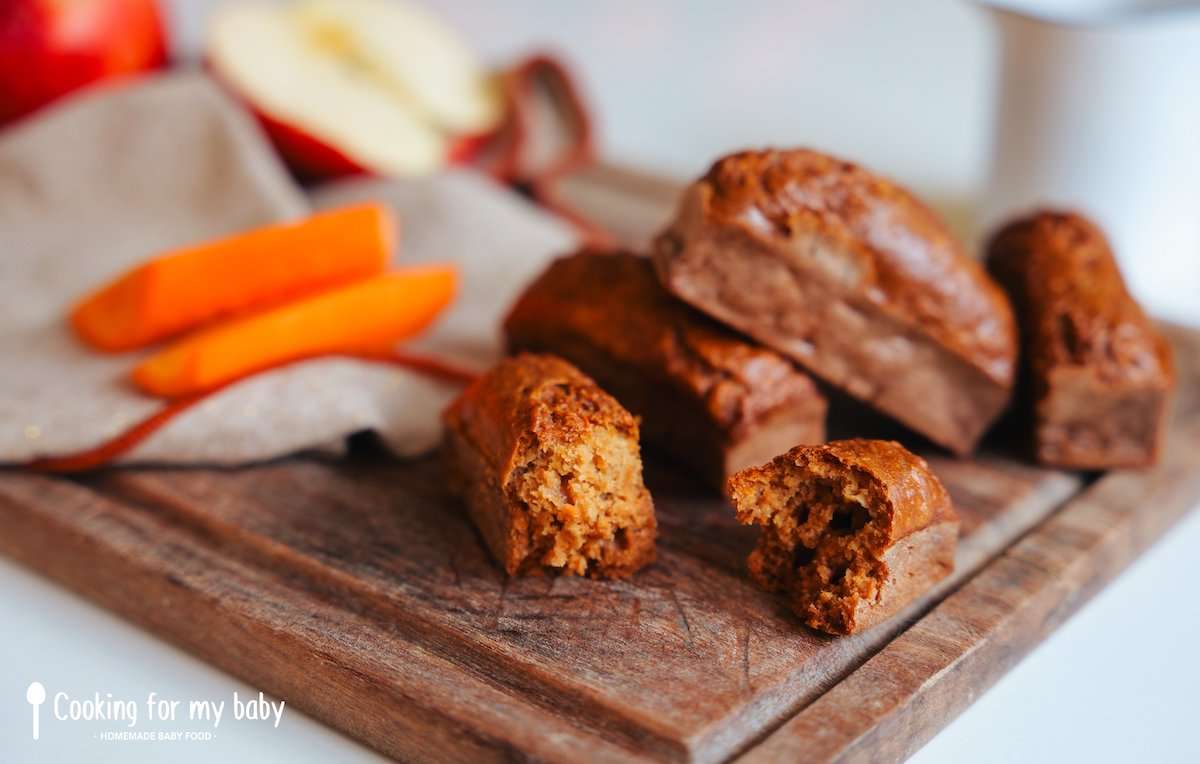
(1098, 373)
(851, 531)
(709, 397)
(549, 467)
(852, 276)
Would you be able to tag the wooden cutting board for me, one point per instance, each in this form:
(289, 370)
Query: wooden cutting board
(358, 591)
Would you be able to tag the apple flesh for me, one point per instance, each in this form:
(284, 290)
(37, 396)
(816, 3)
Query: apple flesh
(49, 48)
(346, 86)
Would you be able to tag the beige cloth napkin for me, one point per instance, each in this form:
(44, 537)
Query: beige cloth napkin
(99, 183)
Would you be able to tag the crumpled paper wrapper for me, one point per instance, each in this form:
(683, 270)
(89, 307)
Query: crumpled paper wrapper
(109, 178)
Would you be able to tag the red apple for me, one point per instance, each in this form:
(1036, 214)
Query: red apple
(50, 47)
(345, 86)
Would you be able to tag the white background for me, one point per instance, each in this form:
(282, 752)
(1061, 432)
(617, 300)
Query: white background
(904, 87)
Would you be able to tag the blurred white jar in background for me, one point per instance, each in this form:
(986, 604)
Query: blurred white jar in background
(1099, 110)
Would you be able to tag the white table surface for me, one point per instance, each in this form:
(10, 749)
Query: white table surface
(902, 87)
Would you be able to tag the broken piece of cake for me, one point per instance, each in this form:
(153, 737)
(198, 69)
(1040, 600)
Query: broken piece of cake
(549, 467)
(852, 531)
(1098, 373)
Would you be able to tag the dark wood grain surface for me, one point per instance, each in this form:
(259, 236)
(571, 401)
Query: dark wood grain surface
(359, 592)
(688, 659)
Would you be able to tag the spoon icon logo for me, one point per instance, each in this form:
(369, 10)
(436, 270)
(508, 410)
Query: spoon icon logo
(36, 696)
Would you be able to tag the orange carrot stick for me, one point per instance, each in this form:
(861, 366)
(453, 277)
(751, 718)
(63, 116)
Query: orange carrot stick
(365, 318)
(185, 288)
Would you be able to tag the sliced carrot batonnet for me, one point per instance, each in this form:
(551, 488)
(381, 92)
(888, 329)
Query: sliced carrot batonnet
(185, 288)
(364, 318)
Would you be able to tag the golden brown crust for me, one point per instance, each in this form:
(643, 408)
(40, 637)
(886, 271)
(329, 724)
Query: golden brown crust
(674, 367)
(1073, 301)
(533, 396)
(548, 464)
(854, 278)
(853, 530)
(1099, 372)
(902, 252)
(912, 496)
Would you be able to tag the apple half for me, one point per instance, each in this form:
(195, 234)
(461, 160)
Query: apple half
(347, 86)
